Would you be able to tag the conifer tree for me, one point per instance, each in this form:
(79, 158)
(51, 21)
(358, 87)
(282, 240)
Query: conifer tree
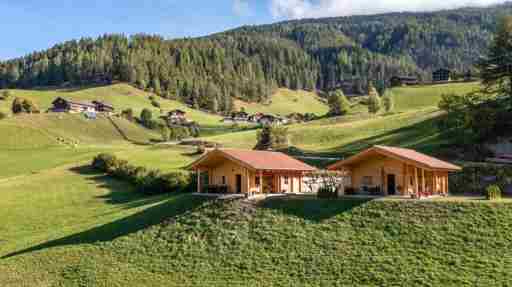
(388, 101)
(374, 102)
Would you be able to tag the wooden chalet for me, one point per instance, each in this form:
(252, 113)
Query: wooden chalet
(72, 106)
(397, 171)
(250, 172)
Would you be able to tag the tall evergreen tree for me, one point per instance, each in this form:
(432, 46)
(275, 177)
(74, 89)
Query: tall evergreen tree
(374, 102)
(496, 68)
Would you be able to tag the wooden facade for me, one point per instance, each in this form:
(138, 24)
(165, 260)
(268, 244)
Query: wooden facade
(239, 174)
(75, 106)
(397, 171)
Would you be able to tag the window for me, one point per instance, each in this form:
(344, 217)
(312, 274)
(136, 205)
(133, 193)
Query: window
(286, 180)
(257, 180)
(367, 181)
(223, 180)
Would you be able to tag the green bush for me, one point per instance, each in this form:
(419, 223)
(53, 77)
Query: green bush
(152, 183)
(103, 162)
(493, 192)
(155, 104)
(327, 192)
(148, 182)
(6, 94)
(176, 181)
(128, 114)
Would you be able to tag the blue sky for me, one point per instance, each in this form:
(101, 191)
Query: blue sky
(29, 25)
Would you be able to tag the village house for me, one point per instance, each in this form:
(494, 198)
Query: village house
(239, 116)
(250, 172)
(103, 107)
(255, 118)
(176, 117)
(269, 119)
(441, 75)
(397, 171)
(398, 81)
(72, 106)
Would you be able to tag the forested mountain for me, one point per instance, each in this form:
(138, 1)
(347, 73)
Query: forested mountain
(249, 62)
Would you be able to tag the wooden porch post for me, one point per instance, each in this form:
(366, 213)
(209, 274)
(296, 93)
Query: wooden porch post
(199, 180)
(247, 181)
(416, 181)
(261, 182)
(404, 180)
(300, 183)
(447, 185)
(423, 181)
(292, 179)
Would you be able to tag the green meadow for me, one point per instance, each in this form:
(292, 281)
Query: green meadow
(63, 224)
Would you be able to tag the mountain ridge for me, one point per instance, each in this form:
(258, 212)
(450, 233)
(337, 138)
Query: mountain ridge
(249, 63)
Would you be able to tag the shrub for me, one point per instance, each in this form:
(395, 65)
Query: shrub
(387, 101)
(155, 104)
(6, 94)
(17, 106)
(374, 102)
(146, 119)
(152, 183)
(327, 192)
(104, 162)
(128, 114)
(176, 181)
(20, 105)
(3, 115)
(148, 182)
(493, 192)
(272, 138)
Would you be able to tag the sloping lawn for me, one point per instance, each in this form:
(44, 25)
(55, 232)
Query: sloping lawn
(298, 241)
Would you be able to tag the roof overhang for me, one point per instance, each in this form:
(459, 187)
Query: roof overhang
(210, 159)
(347, 163)
(214, 158)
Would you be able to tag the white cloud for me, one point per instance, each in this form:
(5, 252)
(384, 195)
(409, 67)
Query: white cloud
(241, 7)
(296, 9)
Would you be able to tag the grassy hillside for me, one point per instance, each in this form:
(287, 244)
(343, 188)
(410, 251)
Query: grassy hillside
(43, 130)
(412, 124)
(122, 96)
(285, 101)
(181, 240)
(31, 143)
(62, 224)
(411, 98)
(416, 129)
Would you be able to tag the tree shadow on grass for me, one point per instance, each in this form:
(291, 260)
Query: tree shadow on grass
(312, 208)
(120, 192)
(174, 206)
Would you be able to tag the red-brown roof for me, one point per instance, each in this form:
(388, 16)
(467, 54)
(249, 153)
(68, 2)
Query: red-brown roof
(401, 154)
(257, 160)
